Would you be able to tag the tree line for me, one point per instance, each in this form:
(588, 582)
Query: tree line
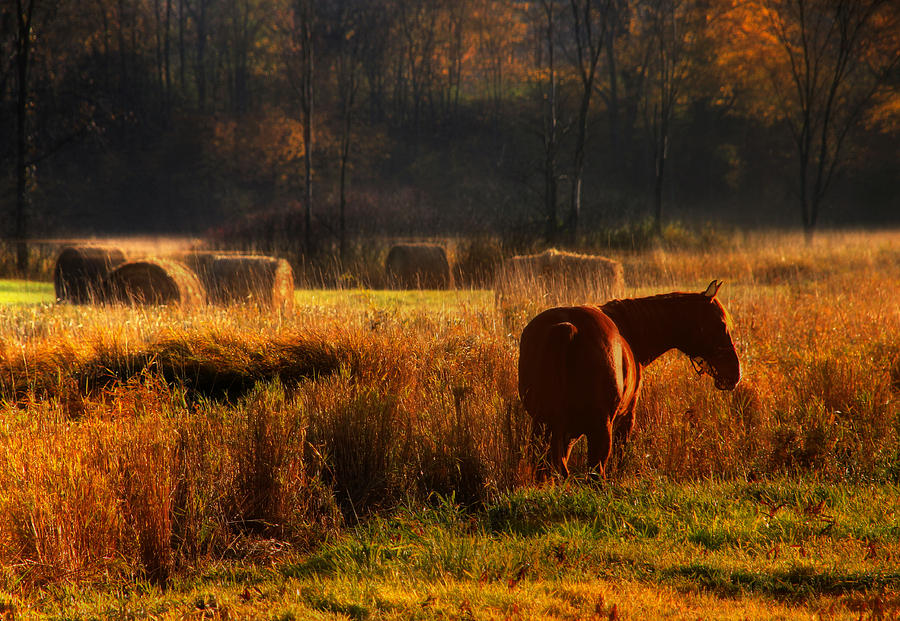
(422, 115)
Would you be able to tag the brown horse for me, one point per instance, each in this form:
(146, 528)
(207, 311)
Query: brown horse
(580, 366)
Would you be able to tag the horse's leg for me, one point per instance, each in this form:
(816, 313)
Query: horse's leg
(621, 432)
(567, 446)
(599, 441)
(559, 453)
(541, 446)
(624, 423)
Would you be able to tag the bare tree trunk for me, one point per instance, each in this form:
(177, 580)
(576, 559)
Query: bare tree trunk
(24, 15)
(454, 74)
(347, 85)
(612, 100)
(167, 75)
(307, 63)
(667, 27)
(123, 65)
(588, 47)
(551, 128)
(241, 32)
(199, 16)
(662, 147)
(578, 168)
(342, 217)
(181, 52)
(158, 39)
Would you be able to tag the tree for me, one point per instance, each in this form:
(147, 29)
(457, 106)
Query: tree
(417, 22)
(667, 26)
(547, 26)
(588, 28)
(303, 52)
(351, 29)
(616, 27)
(24, 21)
(200, 15)
(493, 22)
(825, 63)
(242, 27)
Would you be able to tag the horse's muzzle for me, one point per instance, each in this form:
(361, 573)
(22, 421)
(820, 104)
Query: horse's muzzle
(727, 381)
(723, 384)
(726, 371)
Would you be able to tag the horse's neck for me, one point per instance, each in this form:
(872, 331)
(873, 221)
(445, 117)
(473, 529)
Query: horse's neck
(652, 326)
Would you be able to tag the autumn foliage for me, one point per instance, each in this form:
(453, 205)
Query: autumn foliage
(546, 116)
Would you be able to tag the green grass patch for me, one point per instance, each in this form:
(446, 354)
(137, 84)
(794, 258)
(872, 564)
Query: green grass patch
(26, 292)
(656, 528)
(572, 551)
(393, 300)
(35, 292)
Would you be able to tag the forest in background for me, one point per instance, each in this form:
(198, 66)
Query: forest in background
(322, 122)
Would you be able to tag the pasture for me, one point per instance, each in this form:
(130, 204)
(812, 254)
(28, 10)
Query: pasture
(364, 455)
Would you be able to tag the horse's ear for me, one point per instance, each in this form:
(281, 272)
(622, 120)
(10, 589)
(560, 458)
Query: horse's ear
(713, 288)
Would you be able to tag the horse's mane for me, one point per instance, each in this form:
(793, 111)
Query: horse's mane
(622, 309)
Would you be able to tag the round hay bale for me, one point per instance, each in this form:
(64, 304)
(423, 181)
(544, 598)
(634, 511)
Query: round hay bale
(154, 281)
(230, 279)
(477, 261)
(80, 272)
(561, 278)
(418, 266)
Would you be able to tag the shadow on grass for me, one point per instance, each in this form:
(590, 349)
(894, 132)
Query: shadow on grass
(226, 372)
(791, 584)
(329, 603)
(214, 367)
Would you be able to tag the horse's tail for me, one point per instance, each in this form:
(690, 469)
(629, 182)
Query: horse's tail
(543, 366)
(560, 338)
(561, 334)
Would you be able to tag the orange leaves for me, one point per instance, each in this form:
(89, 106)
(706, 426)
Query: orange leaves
(748, 55)
(266, 147)
(884, 114)
(785, 56)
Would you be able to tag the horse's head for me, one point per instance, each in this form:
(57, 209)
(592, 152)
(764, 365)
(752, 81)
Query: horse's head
(711, 349)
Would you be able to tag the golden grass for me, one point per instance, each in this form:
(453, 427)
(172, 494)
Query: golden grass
(117, 460)
(338, 598)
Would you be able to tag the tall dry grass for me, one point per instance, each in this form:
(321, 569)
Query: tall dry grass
(121, 457)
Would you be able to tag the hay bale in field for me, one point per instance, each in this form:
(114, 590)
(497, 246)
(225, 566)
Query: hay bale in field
(154, 281)
(418, 266)
(477, 261)
(558, 278)
(230, 279)
(80, 272)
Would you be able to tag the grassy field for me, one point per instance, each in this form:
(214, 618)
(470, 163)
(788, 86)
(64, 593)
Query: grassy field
(644, 549)
(365, 456)
(25, 292)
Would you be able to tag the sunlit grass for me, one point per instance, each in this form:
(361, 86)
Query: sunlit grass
(386, 299)
(633, 550)
(26, 292)
(309, 464)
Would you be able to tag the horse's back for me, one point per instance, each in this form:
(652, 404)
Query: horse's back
(572, 363)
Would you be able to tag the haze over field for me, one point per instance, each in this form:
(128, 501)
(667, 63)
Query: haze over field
(317, 125)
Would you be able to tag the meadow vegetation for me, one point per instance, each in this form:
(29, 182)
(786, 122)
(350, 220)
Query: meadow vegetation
(366, 456)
